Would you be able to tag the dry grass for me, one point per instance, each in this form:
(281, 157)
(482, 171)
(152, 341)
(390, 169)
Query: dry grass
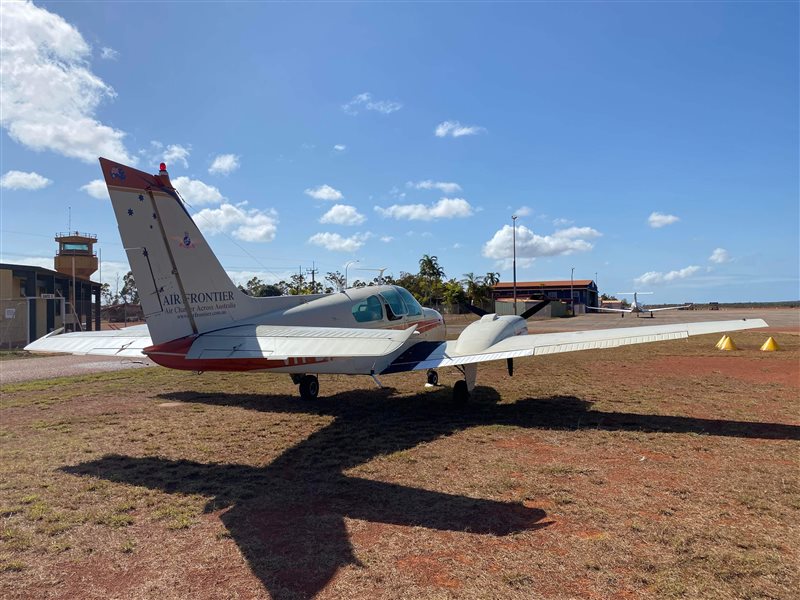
(594, 475)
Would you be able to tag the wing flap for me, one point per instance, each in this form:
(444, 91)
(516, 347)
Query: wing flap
(127, 342)
(288, 342)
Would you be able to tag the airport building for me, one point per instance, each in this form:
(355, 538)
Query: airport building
(35, 301)
(578, 292)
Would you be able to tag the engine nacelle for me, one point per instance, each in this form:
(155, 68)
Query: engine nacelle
(487, 331)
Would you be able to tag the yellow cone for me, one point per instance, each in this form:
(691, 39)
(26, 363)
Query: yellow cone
(770, 345)
(728, 344)
(721, 341)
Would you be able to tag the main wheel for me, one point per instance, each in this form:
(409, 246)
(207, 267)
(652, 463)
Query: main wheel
(460, 392)
(309, 387)
(433, 377)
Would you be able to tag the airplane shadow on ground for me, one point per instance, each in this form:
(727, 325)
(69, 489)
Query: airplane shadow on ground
(287, 517)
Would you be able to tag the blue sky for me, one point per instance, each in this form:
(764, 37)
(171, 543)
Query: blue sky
(653, 144)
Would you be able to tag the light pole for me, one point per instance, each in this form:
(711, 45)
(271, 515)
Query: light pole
(345, 271)
(571, 292)
(514, 260)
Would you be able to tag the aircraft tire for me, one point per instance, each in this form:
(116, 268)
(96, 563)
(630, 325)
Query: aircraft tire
(309, 387)
(460, 392)
(433, 377)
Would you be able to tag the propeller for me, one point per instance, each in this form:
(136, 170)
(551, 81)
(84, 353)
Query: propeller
(535, 308)
(474, 309)
(526, 315)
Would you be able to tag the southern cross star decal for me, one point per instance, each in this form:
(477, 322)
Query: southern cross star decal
(130, 212)
(141, 198)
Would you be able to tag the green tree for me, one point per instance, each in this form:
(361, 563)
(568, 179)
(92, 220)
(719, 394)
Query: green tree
(107, 297)
(491, 279)
(453, 293)
(473, 287)
(129, 293)
(336, 279)
(431, 274)
(256, 287)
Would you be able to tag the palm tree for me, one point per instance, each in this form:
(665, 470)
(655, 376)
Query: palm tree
(431, 272)
(492, 279)
(473, 285)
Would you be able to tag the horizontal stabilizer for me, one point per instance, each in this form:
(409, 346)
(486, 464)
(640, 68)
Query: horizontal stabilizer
(127, 342)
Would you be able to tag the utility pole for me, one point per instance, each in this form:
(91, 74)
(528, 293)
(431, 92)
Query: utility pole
(313, 272)
(571, 292)
(514, 250)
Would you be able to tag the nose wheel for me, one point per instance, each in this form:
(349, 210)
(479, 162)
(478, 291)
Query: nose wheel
(433, 377)
(460, 392)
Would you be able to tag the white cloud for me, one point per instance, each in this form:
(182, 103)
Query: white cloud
(250, 225)
(340, 147)
(657, 219)
(324, 192)
(446, 208)
(20, 180)
(443, 186)
(652, 277)
(343, 214)
(177, 153)
(338, 243)
(386, 239)
(194, 191)
(49, 95)
(96, 188)
(559, 222)
(366, 102)
(719, 256)
(456, 129)
(224, 164)
(107, 53)
(531, 245)
(523, 211)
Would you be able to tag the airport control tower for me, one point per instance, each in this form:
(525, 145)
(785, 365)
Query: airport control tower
(76, 256)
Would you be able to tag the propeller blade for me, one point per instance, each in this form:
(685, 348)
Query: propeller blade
(535, 308)
(474, 309)
(510, 365)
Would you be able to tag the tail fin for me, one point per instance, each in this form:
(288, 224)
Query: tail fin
(182, 286)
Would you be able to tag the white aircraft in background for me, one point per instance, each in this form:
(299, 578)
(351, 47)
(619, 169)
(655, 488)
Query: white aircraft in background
(635, 306)
(198, 320)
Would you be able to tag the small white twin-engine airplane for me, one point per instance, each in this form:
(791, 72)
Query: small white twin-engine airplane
(197, 319)
(636, 307)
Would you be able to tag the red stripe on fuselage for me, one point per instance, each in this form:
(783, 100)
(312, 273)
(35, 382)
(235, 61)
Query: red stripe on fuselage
(173, 355)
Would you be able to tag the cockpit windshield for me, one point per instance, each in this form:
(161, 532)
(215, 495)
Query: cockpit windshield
(414, 308)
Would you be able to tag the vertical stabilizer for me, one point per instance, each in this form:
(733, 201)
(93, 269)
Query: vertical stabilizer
(182, 286)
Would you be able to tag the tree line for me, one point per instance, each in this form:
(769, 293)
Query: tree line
(430, 286)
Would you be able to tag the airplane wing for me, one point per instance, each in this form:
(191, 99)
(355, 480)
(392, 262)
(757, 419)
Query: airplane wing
(616, 310)
(667, 308)
(429, 355)
(127, 342)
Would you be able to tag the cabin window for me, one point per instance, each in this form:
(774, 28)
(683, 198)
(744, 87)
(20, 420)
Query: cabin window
(368, 310)
(395, 308)
(414, 309)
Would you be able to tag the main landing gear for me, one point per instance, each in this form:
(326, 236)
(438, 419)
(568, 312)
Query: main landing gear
(308, 385)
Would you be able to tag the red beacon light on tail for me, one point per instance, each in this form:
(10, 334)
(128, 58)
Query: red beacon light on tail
(163, 167)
